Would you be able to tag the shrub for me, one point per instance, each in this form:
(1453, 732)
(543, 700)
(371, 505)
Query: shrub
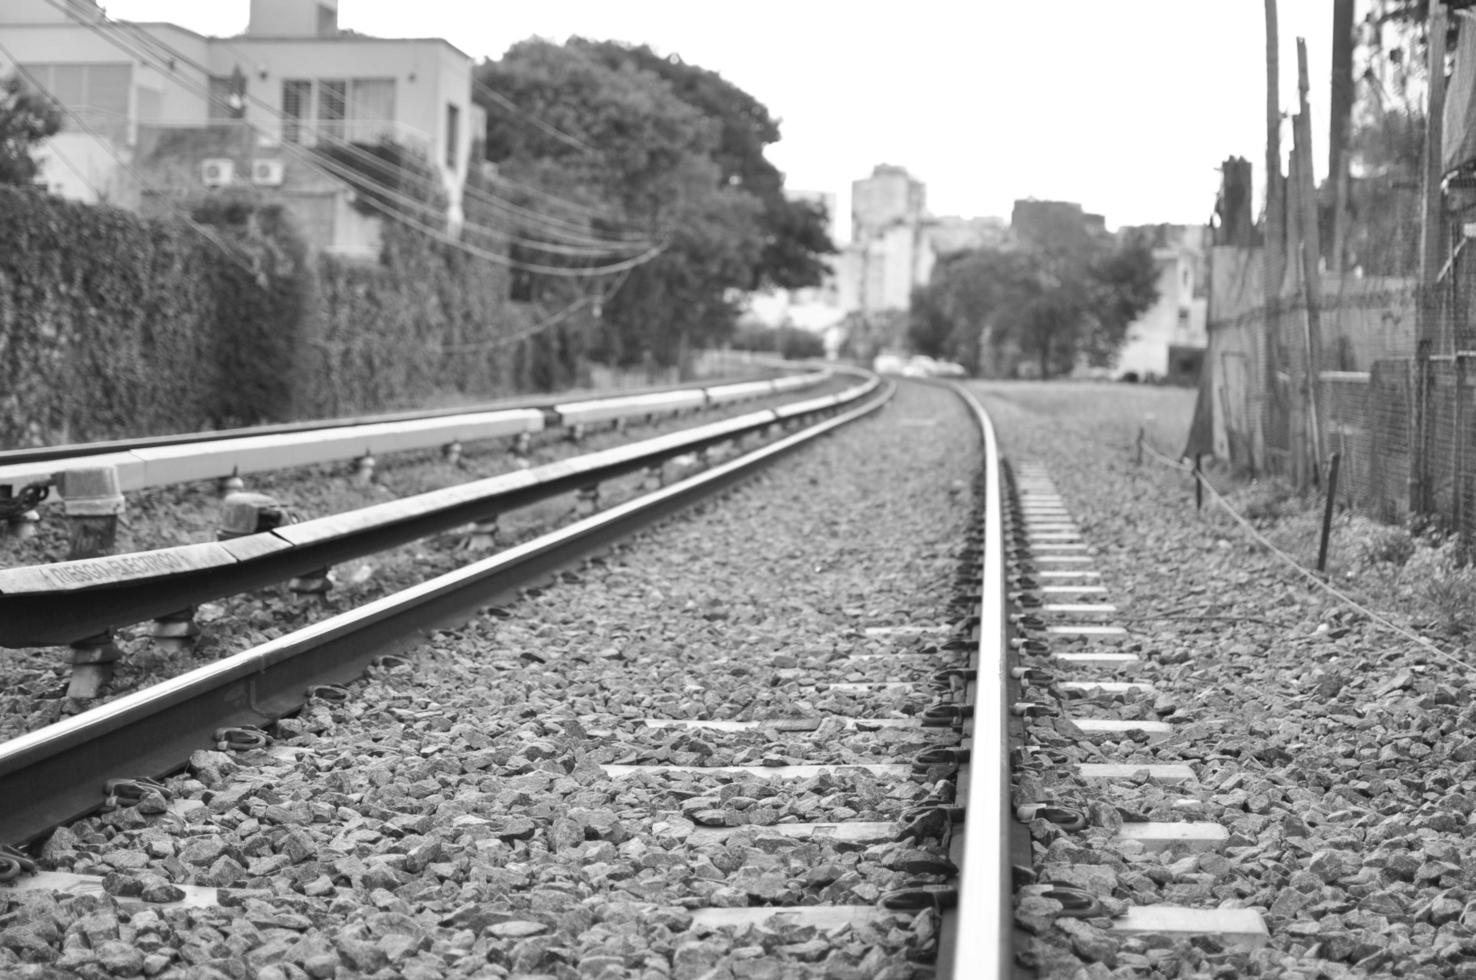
(1443, 586)
(1384, 545)
(1267, 501)
(788, 342)
(115, 325)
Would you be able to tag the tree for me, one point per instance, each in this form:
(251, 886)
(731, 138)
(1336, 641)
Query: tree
(991, 308)
(598, 124)
(26, 118)
(795, 235)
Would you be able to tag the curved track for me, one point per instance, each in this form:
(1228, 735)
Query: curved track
(57, 774)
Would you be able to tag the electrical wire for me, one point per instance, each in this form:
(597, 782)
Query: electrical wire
(542, 124)
(208, 234)
(148, 41)
(571, 205)
(166, 62)
(354, 178)
(552, 320)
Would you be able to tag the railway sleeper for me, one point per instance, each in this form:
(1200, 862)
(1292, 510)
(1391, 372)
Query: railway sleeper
(1055, 562)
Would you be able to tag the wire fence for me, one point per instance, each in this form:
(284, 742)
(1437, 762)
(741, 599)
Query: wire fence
(1374, 367)
(1316, 579)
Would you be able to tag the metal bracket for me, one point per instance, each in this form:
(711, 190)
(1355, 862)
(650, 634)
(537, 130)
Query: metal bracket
(1032, 676)
(331, 693)
(919, 896)
(1078, 903)
(13, 508)
(241, 738)
(128, 792)
(1032, 647)
(928, 758)
(1065, 817)
(14, 863)
(943, 714)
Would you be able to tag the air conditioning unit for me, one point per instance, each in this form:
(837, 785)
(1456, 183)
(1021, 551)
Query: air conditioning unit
(266, 172)
(217, 172)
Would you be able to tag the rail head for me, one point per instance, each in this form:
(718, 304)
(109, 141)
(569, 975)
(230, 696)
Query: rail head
(984, 944)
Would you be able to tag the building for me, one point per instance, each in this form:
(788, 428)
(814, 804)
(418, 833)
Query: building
(950, 234)
(1055, 224)
(1168, 341)
(159, 115)
(888, 254)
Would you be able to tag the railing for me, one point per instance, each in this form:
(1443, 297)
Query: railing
(63, 602)
(150, 463)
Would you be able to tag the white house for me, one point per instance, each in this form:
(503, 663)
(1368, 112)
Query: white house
(157, 113)
(1169, 339)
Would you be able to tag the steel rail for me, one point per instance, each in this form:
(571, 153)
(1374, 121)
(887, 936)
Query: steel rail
(978, 940)
(175, 460)
(62, 602)
(57, 774)
(544, 403)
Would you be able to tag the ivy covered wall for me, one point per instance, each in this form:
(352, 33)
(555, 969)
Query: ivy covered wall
(113, 325)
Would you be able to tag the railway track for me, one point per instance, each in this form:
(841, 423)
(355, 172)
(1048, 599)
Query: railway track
(462, 448)
(801, 821)
(807, 729)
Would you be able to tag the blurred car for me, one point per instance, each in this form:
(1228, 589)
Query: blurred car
(888, 364)
(923, 366)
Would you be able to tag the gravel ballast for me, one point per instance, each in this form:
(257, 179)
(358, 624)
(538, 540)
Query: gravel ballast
(1339, 757)
(454, 817)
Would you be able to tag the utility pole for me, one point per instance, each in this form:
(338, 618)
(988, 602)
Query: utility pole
(1310, 254)
(1340, 113)
(1275, 226)
(1275, 205)
(1432, 254)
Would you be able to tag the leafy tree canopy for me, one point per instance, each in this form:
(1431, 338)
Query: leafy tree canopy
(987, 307)
(795, 235)
(26, 118)
(663, 149)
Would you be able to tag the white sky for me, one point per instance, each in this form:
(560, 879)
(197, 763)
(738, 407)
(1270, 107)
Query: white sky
(1128, 108)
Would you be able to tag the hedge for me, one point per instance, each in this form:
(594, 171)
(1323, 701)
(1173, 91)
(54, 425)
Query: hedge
(113, 325)
(106, 322)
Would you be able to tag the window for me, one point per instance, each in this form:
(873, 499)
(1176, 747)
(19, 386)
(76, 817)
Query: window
(357, 110)
(95, 95)
(371, 109)
(332, 108)
(297, 96)
(453, 134)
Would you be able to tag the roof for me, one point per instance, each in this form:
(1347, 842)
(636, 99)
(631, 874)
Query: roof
(340, 38)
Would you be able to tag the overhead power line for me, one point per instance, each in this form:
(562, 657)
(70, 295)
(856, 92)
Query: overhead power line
(162, 55)
(81, 123)
(354, 177)
(541, 124)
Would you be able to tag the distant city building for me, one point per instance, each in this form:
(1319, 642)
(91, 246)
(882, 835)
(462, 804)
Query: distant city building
(1055, 224)
(888, 254)
(158, 113)
(1169, 339)
(945, 235)
(890, 196)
